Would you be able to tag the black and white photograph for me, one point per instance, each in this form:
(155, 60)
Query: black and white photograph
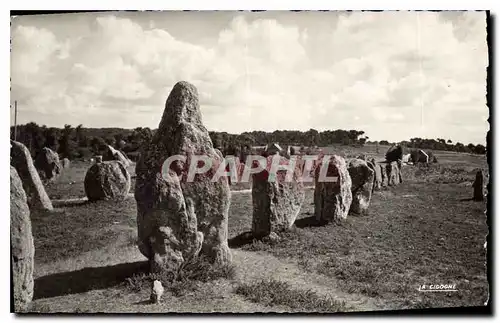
(241, 162)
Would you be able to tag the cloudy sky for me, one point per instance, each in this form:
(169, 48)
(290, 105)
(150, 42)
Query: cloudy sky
(395, 75)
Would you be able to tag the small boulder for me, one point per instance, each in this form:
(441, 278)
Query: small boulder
(276, 201)
(66, 163)
(157, 291)
(377, 178)
(108, 180)
(332, 199)
(48, 164)
(22, 247)
(20, 159)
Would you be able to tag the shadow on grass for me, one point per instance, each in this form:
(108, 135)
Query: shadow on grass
(70, 203)
(241, 239)
(310, 221)
(86, 279)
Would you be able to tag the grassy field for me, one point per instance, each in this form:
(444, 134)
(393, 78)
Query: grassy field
(424, 231)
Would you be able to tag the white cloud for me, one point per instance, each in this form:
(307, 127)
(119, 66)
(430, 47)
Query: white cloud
(375, 69)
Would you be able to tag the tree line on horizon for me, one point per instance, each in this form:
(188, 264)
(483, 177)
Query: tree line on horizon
(80, 142)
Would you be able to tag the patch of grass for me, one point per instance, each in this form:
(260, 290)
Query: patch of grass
(416, 233)
(440, 173)
(273, 292)
(70, 231)
(185, 279)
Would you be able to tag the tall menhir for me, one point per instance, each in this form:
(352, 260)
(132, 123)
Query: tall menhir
(177, 219)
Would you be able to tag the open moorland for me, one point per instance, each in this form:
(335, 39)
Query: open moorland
(426, 230)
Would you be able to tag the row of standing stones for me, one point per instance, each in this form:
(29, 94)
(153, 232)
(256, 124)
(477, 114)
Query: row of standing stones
(177, 219)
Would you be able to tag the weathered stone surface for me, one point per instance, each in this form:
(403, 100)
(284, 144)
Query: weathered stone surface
(332, 200)
(377, 175)
(394, 153)
(362, 177)
(22, 247)
(383, 173)
(113, 154)
(66, 163)
(108, 180)
(21, 160)
(176, 217)
(479, 186)
(276, 201)
(393, 174)
(48, 164)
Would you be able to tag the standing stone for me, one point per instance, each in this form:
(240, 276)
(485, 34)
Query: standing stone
(276, 202)
(394, 153)
(332, 200)
(108, 180)
(377, 178)
(362, 177)
(383, 174)
(48, 165)
(113, 154)
(393, 175)
(20, 159)
(376, 181)
(66, 163)
(176, 217)
(479, 185)
(21, 242)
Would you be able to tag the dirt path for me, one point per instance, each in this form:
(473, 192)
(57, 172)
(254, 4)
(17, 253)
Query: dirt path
(259, 265)
(251, 267)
